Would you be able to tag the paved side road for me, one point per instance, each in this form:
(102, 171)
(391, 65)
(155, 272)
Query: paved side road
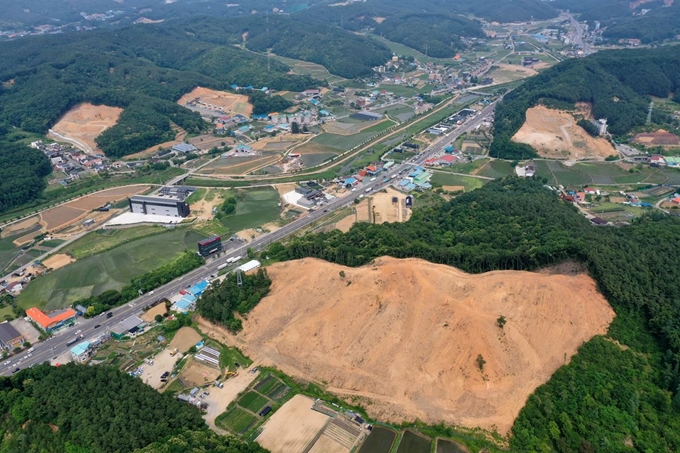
(48, 350)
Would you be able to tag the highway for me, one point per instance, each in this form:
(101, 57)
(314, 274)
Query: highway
(56, 345)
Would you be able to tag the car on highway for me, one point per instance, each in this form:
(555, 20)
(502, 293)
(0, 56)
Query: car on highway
(109, 314)
(97, 326)
(16, 370)
(78, 331)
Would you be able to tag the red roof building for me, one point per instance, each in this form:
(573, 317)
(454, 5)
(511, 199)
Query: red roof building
(53, 321)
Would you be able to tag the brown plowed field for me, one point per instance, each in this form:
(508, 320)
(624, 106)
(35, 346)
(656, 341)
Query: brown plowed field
(404, 335)
(554, 134)
(658, 138)
(59, 217)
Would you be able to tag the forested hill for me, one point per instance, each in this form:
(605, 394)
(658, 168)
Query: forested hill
(340, 51)
(22, 171)
(443, 35)
(657, 25)
(99, 409)
(143, 69)
(365, 13)
(609, 396)
(617, 83)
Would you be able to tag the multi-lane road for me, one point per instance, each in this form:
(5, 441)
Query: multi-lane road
(90, 328)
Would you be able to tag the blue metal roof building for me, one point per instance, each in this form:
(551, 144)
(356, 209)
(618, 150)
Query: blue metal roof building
(198, 288)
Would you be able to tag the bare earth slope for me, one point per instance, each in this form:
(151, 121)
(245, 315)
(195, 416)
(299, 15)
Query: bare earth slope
(405, 335)
(554, 134)
(83, 124)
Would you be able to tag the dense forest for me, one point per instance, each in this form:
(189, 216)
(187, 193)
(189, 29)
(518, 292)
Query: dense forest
(263, 104)
(93, 409)
(22, 172)
(520, 224)
(617, 84)
(143, 69)
(340, 51)
(657, 25)
(29, 13)
(354, 15)
(221, 300)
(202, 442)
(443, 35)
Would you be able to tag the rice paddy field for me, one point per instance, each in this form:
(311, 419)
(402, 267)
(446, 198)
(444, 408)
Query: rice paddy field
(379, 441)
(111, 269)
(255, 207)
(413, 443)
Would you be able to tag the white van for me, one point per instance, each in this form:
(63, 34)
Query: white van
(31, 350)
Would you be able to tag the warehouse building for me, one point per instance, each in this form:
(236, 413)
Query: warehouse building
(365, 115)
(184, 148)
(128, 326)
(249, 266)
(10, 337)
(142, 204)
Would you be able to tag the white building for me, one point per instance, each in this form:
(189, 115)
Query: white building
(249, 266)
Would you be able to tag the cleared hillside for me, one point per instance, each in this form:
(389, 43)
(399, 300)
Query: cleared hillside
(405, 335)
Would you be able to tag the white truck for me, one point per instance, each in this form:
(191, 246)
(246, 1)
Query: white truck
(234, 259)
(221, 266)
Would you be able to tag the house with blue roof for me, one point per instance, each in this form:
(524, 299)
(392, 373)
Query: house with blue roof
(234, 86)
(349, 182)
(185, 304)
(269, 128)
(198, 288)
(81, 352)
(243, 129)
(261, 116)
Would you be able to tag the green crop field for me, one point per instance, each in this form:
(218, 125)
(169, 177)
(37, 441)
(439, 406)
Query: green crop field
(237, 420)
(279, 392)
(101, 240)
(496, 169)
(314, 159)
(8, 250)
(252, 401)
(112, 269)
(266, 384)
(413, 443)
(254, 208)
(444, 179)
(345, 142)
(604, 174)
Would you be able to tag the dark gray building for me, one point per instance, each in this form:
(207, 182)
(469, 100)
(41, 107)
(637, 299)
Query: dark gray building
(142, 204)
(10, 337)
